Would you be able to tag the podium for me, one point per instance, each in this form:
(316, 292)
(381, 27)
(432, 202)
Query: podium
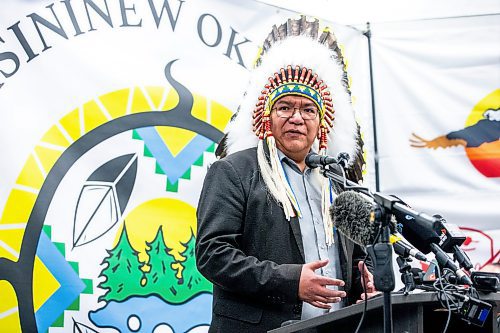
(414, 313)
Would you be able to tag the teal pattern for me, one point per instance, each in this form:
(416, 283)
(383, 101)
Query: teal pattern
(300, 89)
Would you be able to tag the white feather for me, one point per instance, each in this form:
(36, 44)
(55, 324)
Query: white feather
(305, 52)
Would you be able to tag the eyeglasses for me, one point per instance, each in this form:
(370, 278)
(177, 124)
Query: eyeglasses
(307, 113)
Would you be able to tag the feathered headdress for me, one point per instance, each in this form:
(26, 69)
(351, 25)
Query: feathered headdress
(293, 60)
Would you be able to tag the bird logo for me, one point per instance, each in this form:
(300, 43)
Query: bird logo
(480, 137)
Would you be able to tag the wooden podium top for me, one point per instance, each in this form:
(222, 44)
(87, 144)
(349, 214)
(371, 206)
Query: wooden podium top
(400, 302)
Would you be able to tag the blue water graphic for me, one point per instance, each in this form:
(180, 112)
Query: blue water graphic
(152, 311)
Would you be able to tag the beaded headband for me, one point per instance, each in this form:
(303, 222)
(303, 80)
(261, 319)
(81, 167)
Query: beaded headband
(298, 81)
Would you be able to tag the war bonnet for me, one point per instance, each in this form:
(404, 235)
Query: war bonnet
(296, 59)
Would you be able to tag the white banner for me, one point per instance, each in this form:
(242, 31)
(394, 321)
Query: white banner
(437, 93)
(110, 111)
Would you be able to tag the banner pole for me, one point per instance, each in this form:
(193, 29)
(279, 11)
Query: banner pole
(368, 35)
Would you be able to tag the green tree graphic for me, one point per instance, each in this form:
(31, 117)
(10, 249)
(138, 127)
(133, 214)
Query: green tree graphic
(192, 282)
(174, 281)
(161, 279)
(122, 272)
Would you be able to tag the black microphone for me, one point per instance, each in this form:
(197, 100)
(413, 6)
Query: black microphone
(417, 228)
(450, 239)
(343, 159)
(314, 160)
(354, 215)
(445, 261)
(404, 249)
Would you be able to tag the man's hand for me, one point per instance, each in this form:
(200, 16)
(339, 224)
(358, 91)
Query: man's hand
(313, 287)
(368, 285)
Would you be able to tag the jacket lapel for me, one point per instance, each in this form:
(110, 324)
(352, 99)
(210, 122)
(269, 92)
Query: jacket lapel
(346, 260)
(294, 223)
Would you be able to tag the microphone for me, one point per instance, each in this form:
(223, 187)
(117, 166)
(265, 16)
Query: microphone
(404, 249)
(417, 228)
(353, 215)
(450, 239)
(314, 160)
(445, 261)
(343, 159)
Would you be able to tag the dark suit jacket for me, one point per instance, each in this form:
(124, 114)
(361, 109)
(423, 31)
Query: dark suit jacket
(251, 253)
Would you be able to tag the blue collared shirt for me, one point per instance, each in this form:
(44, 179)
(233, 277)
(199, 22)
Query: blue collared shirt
(307, 191)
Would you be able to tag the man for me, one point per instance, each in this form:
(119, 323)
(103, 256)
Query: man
(265, 238)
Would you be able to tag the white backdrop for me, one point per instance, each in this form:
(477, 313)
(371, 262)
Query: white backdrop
(86, 180)
(429, 77)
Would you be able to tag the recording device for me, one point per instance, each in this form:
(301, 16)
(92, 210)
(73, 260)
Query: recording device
(449, 236)
(314, 160)
(470, 309)
(473, 310)
(383, 276)
(425, 278)
(354, 216)
(451, 239)
(486, 281)
(418, 276)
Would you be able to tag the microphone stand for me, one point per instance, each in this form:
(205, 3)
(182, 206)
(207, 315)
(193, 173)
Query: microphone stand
(406, 274)
(342, 180)
(381, 251)
(383, 275)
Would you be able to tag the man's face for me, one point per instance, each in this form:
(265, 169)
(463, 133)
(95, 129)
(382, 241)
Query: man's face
(294, 135)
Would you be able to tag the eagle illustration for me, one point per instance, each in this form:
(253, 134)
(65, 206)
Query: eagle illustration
(484, 131)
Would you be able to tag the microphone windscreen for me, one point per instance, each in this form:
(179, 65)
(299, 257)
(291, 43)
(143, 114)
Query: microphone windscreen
(351, 215)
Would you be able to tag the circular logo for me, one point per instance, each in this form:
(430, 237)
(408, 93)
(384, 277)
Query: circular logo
(98, 232)
(480, 136)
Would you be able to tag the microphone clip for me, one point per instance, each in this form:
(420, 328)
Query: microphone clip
(406, 274)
